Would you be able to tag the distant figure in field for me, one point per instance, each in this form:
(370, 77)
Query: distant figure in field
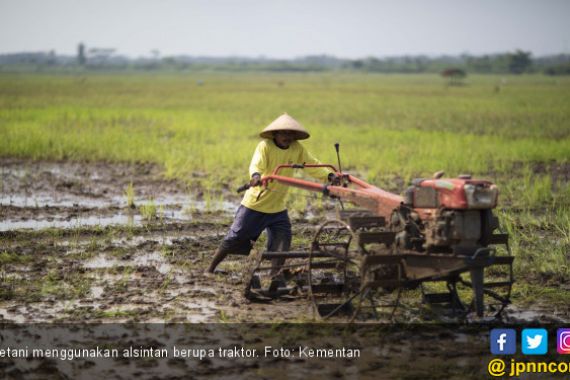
(455, 76)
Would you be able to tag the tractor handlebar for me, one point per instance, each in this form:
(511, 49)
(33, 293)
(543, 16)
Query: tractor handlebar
(245, 187)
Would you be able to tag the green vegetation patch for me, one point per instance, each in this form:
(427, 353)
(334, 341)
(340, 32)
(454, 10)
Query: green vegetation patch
(386, 124)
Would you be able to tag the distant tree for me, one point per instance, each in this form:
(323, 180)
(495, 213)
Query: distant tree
(81, 54)
(51, 60)
(358, 64)
(519, 61)
(483, 64)
(562, 69)
(99, 57)
(421, 64)
(454, 76)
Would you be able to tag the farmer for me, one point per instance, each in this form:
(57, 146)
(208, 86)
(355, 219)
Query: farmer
(267, 211)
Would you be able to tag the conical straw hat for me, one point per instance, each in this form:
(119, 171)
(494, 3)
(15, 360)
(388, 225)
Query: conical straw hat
(285, 123)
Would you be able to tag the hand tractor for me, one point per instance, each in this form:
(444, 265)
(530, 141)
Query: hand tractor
(439, 237)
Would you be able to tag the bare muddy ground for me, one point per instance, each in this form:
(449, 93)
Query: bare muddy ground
(72, 250)
(40, 194)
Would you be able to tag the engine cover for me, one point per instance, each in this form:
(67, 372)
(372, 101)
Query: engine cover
(455, 193)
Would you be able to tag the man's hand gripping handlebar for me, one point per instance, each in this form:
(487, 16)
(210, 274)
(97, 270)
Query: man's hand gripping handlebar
(255, 181)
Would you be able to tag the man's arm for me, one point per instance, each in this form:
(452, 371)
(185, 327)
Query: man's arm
(319, 173)
(258, 163)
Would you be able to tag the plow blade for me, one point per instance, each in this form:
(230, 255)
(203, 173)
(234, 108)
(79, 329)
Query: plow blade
(415, 268)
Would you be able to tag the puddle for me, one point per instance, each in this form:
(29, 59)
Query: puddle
(206, 311)
(225, 206)
(64, 222)
(529, 315)
(43, 194)
(39, 200)
(65, 216)
(526, 315)
(97, 291)
(184, 203)
(44, 200)
(12, 314)
(155, 260)
(152, 259)
(89, 221)
(102, 262)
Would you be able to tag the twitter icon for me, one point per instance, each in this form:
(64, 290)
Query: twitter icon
(534, 341)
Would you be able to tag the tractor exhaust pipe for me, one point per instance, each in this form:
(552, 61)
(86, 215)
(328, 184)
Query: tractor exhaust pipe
(336, 147)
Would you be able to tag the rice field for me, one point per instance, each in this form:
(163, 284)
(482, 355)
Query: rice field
(405, 125)
(201, 129)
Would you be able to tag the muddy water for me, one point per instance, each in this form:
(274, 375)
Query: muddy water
(143, 268)
(97, 278)
(76, 252)
(100, 261)
(39, 195)
(78, 222)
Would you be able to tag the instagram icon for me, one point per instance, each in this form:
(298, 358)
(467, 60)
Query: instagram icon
(563, 341)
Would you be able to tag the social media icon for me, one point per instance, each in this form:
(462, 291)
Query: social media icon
(563, 341)
(534, 341)
(503, 341)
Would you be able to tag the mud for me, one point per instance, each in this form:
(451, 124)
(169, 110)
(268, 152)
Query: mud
(558, 171)
(74, 250)
(71, 250)
(40, 194)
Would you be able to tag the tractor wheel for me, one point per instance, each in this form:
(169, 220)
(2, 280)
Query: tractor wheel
(333, 272)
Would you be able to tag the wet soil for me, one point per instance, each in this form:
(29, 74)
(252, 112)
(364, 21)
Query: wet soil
(71, 250)
(42, 194)
(558, 171)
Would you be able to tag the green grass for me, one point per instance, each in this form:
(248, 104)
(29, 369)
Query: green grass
(386, 124)
(391, 128)
(62, 286)
(13, 258)
(541, 243)
(149, 210)
(130, 195)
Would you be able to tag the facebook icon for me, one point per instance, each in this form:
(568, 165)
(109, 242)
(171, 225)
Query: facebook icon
(503, 341)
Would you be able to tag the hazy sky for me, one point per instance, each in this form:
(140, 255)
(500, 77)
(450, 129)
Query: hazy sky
(287, 28)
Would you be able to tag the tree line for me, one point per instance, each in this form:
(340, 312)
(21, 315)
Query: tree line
(516, 62)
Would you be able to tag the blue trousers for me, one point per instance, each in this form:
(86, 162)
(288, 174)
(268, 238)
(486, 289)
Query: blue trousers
(249, 224)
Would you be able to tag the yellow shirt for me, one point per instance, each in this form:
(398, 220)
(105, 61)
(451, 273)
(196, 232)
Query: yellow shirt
(266, 158)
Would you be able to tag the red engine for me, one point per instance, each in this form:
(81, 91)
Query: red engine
(447, 215)
(461, 193)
